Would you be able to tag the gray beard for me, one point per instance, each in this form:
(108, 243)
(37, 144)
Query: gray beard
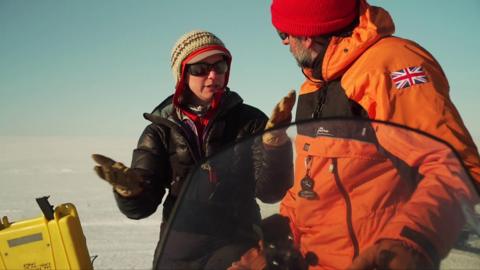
(303, 58)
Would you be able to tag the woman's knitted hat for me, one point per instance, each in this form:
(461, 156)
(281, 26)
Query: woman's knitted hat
(312, 17)
(193, 47)
(200, 43)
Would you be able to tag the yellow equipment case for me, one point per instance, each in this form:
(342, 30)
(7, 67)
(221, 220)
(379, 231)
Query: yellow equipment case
(52, 241)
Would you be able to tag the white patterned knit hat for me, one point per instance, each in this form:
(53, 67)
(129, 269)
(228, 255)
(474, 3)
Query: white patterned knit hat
(192, 42)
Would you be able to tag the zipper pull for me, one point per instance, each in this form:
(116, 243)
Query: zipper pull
(307, 183)
(212, 176)
(331, 168)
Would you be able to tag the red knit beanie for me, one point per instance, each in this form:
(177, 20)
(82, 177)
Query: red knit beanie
(312, 17)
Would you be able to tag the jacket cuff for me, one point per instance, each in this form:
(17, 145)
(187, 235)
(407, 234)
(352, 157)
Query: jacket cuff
(135, 207)
(415, 240)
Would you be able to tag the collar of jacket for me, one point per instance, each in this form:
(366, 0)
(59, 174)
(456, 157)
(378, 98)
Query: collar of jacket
(165, 111)
(202, 121)
(374, 24)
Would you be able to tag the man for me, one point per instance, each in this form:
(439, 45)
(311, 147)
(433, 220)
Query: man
(358, 50)
(354, 67)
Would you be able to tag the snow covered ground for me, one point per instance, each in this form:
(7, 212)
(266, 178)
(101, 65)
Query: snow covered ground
(62, 168)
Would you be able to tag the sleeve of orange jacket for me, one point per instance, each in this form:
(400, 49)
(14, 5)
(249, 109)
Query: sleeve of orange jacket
(431, 219)
(425, 106)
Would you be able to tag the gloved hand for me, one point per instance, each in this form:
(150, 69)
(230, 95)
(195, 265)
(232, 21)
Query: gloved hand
(281, 115)
(253, 259)
(390, 254)
(126, 181)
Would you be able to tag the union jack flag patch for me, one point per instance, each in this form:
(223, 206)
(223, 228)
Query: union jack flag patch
(408, 76)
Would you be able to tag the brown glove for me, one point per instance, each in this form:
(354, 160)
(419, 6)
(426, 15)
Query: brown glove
(126, 181)
(390, 254)
(281, 115)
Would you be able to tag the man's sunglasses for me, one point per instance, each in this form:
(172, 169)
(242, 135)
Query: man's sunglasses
(202, 69)
(282, 35)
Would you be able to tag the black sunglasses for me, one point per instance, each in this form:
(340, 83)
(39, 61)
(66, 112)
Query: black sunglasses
(282, 35)
(202, 69)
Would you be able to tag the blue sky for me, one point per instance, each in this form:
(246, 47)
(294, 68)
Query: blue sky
(92, 67)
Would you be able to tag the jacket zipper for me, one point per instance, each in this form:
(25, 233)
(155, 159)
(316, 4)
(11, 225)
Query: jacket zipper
(317, 112)
(343, 191)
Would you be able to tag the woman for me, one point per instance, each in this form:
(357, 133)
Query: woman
(199, 119)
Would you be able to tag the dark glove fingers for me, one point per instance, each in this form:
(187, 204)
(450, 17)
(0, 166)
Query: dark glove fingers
(110, 175)
(104, 171)
(100, 172)
(105, 175)
(116, 173)
(103, 160)
(113, 175)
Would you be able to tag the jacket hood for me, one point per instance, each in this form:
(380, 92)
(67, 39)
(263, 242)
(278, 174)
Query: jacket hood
(374, 24)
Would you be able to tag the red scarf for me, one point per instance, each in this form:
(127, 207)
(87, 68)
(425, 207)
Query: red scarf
(201, 122)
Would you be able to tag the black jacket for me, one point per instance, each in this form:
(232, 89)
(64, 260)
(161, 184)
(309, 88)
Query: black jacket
(169, 150)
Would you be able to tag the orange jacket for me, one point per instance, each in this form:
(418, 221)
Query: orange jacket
(365, 62)
(364, 194)
(380, 206)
